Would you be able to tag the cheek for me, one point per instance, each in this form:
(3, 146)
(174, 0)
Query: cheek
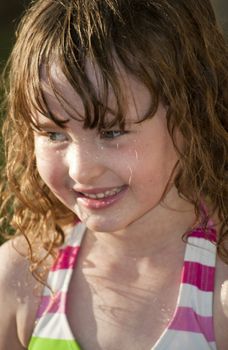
(153, 163)
(50, 173)
(50, 167)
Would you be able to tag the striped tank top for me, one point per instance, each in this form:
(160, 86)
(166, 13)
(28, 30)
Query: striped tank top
(191, 326)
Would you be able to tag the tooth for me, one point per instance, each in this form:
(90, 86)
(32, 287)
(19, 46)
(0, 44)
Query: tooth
(91, 195)
(107, 193)
(100, 195)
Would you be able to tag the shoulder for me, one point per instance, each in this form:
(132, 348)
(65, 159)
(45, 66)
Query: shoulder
(13, 265)
(221, 304)
(17, 297)
(220, 297)
(10, 265)
(222, 285)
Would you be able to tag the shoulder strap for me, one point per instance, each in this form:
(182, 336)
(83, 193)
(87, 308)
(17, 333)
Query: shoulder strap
(54, 294)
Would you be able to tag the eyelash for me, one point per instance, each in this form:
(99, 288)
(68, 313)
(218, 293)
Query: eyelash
(50, 134)
(111, 134)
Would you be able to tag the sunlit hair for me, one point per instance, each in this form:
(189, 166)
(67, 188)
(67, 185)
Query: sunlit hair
(175, 48)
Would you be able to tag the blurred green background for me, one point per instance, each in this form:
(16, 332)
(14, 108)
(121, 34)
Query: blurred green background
(10, 12)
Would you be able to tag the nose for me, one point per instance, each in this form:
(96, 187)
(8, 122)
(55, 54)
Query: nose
(85, 163)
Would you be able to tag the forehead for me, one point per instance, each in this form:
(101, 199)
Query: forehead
(62, 99)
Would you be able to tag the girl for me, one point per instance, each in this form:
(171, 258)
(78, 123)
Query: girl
(115, 179)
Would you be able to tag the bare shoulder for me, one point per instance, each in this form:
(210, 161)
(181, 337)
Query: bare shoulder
(220, 298)
(18, 301)
(224, 294)
(222, 285)
(221, 304)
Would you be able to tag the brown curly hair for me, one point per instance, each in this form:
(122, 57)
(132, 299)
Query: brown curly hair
(175, 48)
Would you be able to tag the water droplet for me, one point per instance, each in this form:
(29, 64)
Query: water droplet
(131, 174)
(136, 155)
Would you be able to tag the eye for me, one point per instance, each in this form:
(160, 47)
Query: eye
(56, 136)
(111, 134)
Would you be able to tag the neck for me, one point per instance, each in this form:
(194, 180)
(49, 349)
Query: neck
(160, 230)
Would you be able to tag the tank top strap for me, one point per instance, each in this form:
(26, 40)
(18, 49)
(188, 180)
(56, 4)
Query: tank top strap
(199, 269)
(54, 294)
(192, 324)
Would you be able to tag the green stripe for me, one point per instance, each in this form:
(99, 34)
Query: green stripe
(37, 343)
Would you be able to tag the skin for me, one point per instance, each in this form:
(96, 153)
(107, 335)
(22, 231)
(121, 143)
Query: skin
(123, 243)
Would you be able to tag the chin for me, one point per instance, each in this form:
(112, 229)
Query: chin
(101, 224)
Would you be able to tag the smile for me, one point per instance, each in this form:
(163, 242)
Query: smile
(101, 195)
(100, 199)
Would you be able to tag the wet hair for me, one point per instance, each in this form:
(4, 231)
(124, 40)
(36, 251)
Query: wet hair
(175, 48)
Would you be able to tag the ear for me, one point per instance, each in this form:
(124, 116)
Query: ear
(224, 297)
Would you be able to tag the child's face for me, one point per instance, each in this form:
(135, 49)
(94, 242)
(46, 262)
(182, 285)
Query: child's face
(127, 171)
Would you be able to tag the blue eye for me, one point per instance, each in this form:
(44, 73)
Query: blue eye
(56, 137)
(111, 134)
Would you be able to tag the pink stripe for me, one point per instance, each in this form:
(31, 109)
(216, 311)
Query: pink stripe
(210, 235)
(186, 319)
(52, 304)
(66, 259)
(199, 275)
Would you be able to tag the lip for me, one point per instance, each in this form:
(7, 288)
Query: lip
(94, 203)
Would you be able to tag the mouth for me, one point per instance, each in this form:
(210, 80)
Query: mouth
(101, 195)
(98, 199)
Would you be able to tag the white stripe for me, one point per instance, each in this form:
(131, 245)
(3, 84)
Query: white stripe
(182, 340)
(203, 243)
(201, 252)
(74, 235)
(53, 326)
(58, 281)
(200, 301)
